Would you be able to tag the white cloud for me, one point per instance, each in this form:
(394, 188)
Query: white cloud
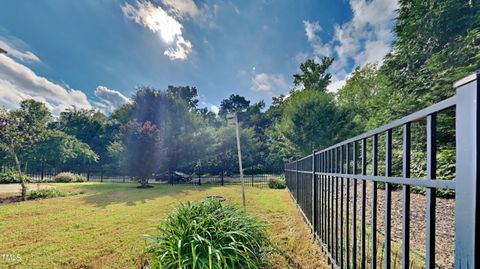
(215, 109)
(111, 98)
(18, 82)
(311, 30)
(366, 38)
(182, 49)
(269, 83)
(21, 55)
(301, 57)
(182, 7)
(336, 85)
(158, 20)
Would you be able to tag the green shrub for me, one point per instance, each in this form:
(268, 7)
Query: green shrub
(12, 176)
(68, 177)
(46, 193)
(209, 235)
(277, 183)
(446, 163)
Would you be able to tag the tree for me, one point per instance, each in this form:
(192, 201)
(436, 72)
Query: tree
(314, 75)
(362, 96)
(430, 53)
(90, 127)
(20, 129)
(275, 111)
(143, 152)
(312, 121)
(185, 93)
(57, 149)
(209, 117)
(234, 103)
(225, 149)
(178, 125)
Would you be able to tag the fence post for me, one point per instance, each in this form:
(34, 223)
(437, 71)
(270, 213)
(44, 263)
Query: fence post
(252, 180)
(199, 179)
(296, 181)
(222, 178)
(467, 209)
(314, 196)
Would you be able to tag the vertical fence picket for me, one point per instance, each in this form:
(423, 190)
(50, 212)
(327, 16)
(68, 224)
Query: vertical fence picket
(388, 200)
(336, 204)
(296, 181)
(347, 210)
(354, 218)
(324, 190)
(406, 198)
(314, 195)
(431, 192)
(364, 203)
(332, 218)
(342, 148)
(374, 199)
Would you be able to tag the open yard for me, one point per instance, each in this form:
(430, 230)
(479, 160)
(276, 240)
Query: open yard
(103, 225)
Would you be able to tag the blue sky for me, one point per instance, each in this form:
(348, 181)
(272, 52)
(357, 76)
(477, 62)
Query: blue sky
(93, 53)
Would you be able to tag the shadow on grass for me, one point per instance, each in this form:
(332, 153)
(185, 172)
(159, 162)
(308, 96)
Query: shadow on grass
(105, 194)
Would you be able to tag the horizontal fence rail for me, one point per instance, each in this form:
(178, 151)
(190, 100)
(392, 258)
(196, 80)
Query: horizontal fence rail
(331, 187)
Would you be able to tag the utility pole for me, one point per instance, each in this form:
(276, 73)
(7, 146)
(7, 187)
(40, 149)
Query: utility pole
(233, 120)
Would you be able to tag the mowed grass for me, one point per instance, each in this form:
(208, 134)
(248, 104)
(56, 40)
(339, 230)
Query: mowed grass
(104, 226)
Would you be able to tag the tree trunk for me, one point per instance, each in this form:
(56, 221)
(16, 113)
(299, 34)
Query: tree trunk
(144, 182)
(22, 179)
(42, 171)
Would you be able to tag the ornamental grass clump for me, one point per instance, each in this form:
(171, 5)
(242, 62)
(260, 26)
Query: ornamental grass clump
(209, 235)
(66, 177)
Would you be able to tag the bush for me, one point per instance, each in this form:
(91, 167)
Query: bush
(277, 183)
(68, 177)
(80, 178)
(46, 193)
(12, 176)
(209, 235)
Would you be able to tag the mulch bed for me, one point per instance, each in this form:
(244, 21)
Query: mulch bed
(445, 222)
(10, 199)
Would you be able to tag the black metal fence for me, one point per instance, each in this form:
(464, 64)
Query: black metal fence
(260, 180)
(324, 185)
(257, 180)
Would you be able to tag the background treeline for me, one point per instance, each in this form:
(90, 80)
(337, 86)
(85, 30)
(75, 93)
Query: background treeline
(437, 42)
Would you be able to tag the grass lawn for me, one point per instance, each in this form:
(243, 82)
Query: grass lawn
(104, 226)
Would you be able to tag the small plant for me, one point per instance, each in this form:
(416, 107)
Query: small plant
(46, 193)
(277, 183)
(68, 177)
(209, 235)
